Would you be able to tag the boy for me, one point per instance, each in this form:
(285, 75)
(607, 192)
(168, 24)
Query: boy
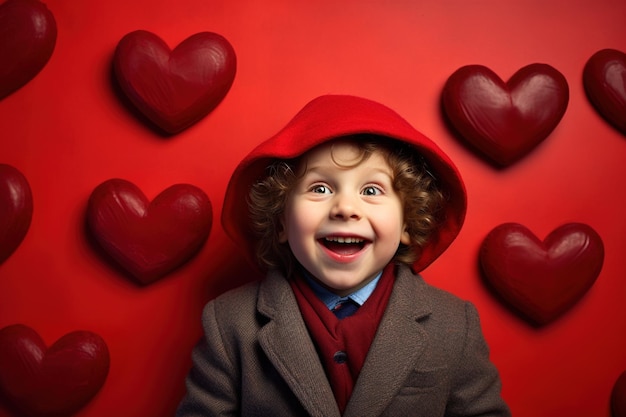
(345, 205)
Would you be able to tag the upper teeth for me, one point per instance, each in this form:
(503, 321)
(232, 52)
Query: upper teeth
(339, 239)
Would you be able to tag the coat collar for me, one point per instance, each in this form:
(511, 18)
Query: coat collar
(286, 342)
(399, 342)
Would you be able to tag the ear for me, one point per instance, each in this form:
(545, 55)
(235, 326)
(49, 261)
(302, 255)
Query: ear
(405, 237)
(282, 233)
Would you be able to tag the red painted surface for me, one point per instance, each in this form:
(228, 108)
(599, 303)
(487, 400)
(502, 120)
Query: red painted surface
(69, 129)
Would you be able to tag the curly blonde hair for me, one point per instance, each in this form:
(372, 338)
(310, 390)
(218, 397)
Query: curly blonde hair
(412, 180)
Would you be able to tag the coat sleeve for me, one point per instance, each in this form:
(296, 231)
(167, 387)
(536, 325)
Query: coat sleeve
(476, 386)
(213, 380)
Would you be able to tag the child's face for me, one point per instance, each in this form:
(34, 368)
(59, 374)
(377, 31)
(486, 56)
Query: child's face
(344, 222)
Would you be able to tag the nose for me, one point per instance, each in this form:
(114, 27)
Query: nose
(345, 208)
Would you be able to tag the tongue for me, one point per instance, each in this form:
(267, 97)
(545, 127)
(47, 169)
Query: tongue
(343, 248)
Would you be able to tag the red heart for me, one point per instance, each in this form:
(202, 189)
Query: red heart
(604, 78)
(16, 209)
(149, 240)
(505, 121)
(618, 397)
(56, 381)
(175, 89)
(542, 280)
(28, 33)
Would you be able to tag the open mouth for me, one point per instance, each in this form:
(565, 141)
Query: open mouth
(343, 245)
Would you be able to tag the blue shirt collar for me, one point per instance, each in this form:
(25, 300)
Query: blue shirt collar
(331, 299)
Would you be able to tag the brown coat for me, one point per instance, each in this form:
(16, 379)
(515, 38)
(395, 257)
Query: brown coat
(428, 358)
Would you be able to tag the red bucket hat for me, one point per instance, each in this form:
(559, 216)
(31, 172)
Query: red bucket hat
(333, 116)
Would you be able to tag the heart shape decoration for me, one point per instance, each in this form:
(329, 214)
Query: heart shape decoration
(174, 89)
(55, 381)
(28, 34)
(505, 121)
(618, 397)
(542, 280)
(604, 78)
(16, 209)
(149, 240)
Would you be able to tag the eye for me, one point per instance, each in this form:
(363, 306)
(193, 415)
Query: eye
(372, 190)
(320, 189)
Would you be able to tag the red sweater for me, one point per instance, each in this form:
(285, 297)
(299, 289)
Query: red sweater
(343, 344)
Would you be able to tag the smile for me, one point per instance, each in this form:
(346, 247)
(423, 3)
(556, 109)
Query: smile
(343, 245)
(348, 240)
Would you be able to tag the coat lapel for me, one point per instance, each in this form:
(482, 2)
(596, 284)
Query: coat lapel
(288, 346)
(398, 343)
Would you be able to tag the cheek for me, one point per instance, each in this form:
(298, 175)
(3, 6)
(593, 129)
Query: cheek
(392, 225)
(388, 225)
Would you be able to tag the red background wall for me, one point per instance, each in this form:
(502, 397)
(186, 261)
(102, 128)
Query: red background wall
(67, 131)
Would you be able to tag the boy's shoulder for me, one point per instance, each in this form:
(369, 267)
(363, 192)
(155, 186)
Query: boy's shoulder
(232, 310)
(240, 312)
(417, 291)
(239, 296)
(245, 298)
